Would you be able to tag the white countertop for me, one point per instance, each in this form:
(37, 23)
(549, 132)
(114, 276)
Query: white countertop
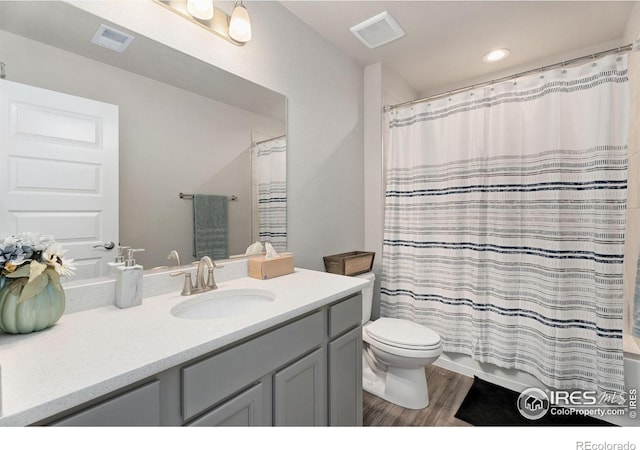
(91, 353)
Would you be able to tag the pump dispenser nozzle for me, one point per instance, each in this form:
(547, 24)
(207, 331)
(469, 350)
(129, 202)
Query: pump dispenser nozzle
(120, 257)
(130, 262)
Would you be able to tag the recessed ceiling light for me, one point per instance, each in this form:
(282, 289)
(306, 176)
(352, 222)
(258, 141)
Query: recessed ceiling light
(496, 55)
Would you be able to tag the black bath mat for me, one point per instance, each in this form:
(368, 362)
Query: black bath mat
(488, 404)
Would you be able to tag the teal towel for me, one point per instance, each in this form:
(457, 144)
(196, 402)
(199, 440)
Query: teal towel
(210, 226)
(636, 304)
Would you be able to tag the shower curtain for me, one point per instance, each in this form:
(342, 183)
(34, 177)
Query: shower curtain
(271, 159)
(505, 218)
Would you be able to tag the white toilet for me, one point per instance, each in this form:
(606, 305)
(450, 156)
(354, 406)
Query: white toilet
(395, 353)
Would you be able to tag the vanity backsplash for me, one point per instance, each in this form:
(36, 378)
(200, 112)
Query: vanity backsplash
(82, 295)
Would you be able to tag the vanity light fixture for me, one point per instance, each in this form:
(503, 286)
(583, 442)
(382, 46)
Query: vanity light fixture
(496, 55)
(235, 29)
(240, 24)
(201, 9)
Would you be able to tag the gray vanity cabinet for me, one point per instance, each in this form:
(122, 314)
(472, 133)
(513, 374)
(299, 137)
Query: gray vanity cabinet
(137, 407)
(304, 372)
(300, 392)
(345, 379)
(345, 362)
(243, 410)
(219, 377)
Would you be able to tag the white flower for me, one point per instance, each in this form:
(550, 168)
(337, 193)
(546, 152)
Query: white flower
(53, 252)
(64, 267)
(9, 240)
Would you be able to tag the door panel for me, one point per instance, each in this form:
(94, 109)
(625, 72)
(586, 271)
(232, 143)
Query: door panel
(59, 171)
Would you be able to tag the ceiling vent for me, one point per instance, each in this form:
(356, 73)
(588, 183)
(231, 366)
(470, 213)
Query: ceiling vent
(112, 39)
(378, 30)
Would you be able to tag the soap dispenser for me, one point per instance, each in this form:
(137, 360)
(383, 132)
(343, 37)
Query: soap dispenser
(129, 281)
(118, 261)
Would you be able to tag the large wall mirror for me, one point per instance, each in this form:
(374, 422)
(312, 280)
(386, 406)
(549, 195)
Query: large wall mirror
(184, 127)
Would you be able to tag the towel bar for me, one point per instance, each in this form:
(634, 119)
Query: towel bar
(233, 198)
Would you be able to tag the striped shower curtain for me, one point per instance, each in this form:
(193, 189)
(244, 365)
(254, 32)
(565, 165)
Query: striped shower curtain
(271, 157)
(505, 218)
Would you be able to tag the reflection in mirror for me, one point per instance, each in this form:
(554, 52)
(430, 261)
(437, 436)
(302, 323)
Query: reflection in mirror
(269, 160)
(184, 126)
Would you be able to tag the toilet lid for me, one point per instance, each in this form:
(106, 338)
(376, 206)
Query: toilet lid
(403, 333)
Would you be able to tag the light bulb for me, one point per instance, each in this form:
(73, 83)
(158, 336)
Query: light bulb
(201, 9)
(240, 25)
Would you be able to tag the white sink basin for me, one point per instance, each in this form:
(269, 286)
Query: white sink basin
(220, 304)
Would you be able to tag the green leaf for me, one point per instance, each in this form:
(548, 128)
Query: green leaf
(15, 286)
(54, 279)
(35, 270)
(34, 287)
(22, 271)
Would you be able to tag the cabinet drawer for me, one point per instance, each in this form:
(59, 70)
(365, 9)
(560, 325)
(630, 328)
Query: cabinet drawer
(345, 315)
(139, 407)
(243, 410)
(209, 381)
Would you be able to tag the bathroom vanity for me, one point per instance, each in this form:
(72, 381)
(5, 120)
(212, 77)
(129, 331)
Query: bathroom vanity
(296, 361)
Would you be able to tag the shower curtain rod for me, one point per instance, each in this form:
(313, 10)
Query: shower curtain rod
(624, 48)
(270, 139)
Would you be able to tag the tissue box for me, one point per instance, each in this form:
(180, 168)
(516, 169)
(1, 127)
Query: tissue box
(264, 269)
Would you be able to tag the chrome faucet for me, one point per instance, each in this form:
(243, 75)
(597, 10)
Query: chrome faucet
(201, 284)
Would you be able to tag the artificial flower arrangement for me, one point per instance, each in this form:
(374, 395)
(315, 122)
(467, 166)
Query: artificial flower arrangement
(29, 262)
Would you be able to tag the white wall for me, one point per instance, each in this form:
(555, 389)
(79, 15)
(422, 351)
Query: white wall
(324, 91)
(171, 141)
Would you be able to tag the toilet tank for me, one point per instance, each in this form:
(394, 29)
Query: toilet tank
(367, 295)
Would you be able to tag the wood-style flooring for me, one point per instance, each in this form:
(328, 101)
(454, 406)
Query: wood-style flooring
(446, 392)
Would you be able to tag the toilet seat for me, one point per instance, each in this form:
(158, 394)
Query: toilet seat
(402, 334)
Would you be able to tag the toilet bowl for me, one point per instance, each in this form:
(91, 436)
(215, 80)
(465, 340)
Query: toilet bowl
(395, 354)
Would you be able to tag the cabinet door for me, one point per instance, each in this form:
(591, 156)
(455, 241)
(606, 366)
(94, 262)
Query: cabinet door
(300, 392)
(345, 379)
(243, 410)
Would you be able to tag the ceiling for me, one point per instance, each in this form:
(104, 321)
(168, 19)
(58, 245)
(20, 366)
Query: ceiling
(446, 40)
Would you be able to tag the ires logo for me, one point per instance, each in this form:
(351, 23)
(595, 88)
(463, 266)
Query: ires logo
(533, 403)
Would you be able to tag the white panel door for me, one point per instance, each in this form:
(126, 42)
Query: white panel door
(59, 171)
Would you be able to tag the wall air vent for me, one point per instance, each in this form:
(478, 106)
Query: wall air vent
(112, 39)
(378, 30)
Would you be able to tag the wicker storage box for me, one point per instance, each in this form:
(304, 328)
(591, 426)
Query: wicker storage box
(351, 263)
